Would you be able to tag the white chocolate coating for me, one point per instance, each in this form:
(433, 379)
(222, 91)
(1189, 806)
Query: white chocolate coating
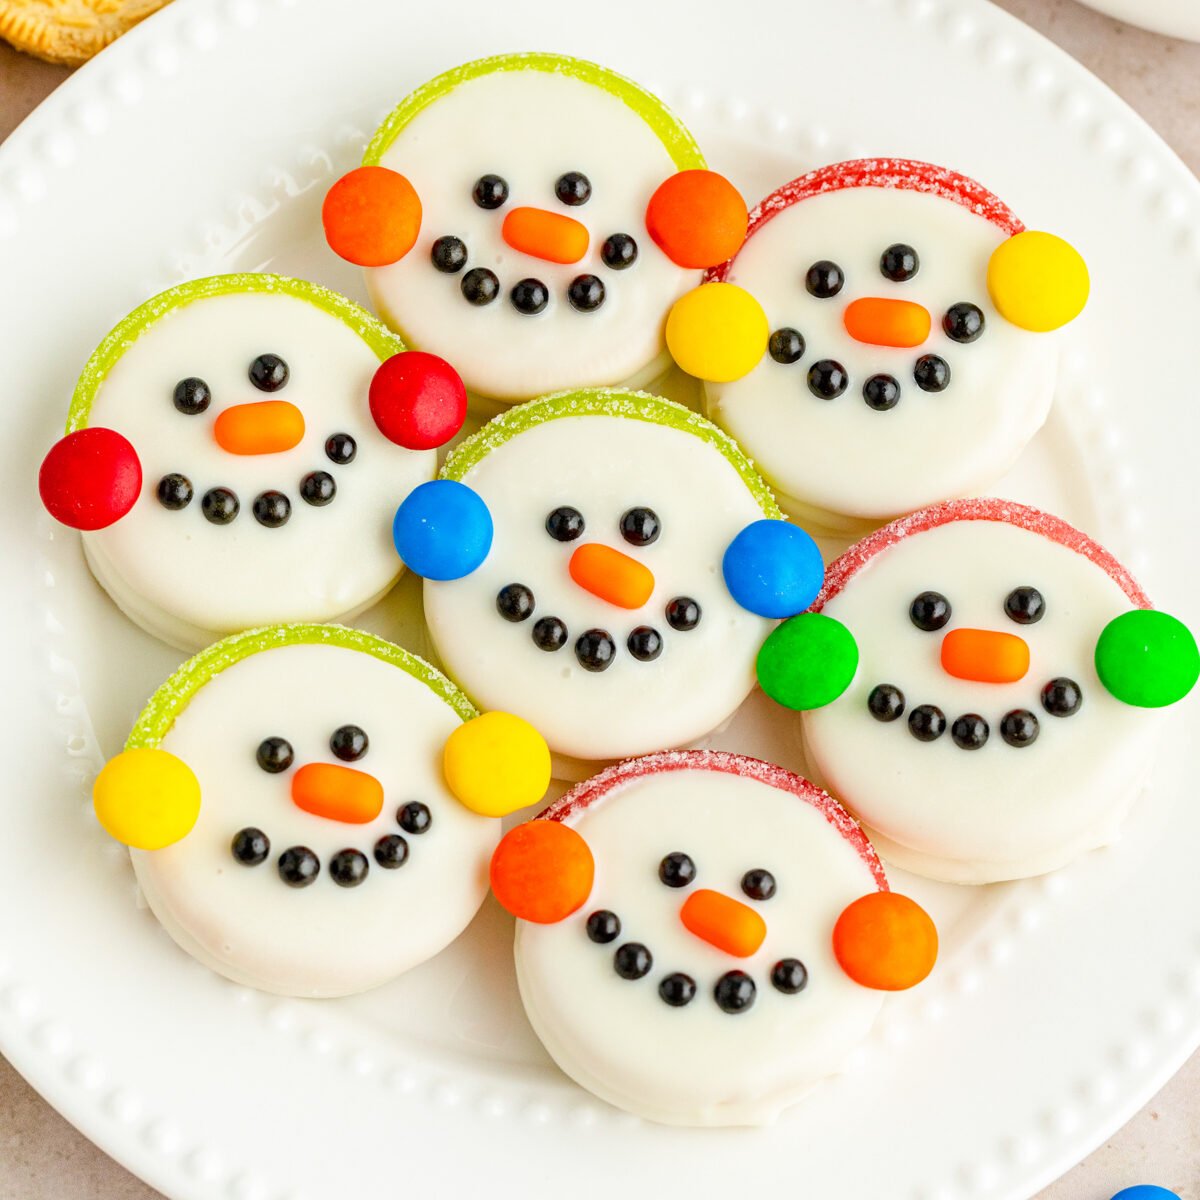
(323, 939)
(998, 812)
(529, 127)
(189, 581)
(604, 465)
(698, 1065)
(841, 456)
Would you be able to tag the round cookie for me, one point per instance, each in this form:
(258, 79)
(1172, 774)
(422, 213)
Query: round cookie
(606, 565)
(532, 218)
(994, 723)
(709, 969)
(902, 317)
(235, 450)
(294, 802)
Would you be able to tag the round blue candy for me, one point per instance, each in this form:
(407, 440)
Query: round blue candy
(773, 568)
(1145, 1191)
(443, 530)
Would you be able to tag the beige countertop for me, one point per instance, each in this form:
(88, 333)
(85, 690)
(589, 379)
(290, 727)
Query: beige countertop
(43, 1158)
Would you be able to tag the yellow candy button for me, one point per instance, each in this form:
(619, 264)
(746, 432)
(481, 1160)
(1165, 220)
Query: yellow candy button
(1037, 281)
(146, 798)
(496, 764)
(717, 332)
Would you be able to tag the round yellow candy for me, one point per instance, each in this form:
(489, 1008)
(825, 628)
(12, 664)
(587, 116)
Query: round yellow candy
(496, 764)
(717, 332)
(1037, 281)
(146, 798)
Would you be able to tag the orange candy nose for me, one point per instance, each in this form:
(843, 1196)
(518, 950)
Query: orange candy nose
(554, 237)
(262, 427)
(723, 922)
(611, 575)
(885, 941)
(883, 322)
(338, 793)
(371, 216)
(985, 656)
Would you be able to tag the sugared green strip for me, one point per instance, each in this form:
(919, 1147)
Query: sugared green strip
(608, 402)
(174, 696)
(372, 331)
(673, 134)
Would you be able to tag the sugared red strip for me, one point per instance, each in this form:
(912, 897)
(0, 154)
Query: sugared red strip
(611, 575)
(261, 427)
(985, 655)
(337, 793)
(723, 922)
(882, 321)
(551, 236)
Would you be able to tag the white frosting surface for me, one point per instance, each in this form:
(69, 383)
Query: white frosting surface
(699, 1065)
(191, 581)
(320, 940)
(999, 812)
(840, 455)
(603, 466)
(529, 127)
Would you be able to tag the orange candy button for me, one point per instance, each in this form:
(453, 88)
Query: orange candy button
(542, 871)
(985, 656)
(262, 427)
(885, 941)
(723, 922)
(371, 216)
(338, 793)
(552, 236)
(611, 575)
(882, 322)
(697, 218)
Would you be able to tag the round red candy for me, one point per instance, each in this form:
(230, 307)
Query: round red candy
(90, 479)
(418, 401)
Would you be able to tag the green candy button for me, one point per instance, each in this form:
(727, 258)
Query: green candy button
(808, 661)
(1147, 658)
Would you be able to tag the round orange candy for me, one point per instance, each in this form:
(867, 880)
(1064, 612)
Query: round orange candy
(697, 218)
(372, 216)
(885, 941)
(542, 871)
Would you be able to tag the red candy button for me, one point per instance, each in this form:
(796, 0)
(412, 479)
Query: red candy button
(418, 401)
(90, 479)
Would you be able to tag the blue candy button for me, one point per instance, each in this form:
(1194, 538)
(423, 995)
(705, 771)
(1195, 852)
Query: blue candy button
(443, 530)
(773, 568)
(1145, 1191)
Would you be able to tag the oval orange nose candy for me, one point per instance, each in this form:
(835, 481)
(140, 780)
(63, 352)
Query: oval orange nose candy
(723, 922)
(338, 793)
(611, 575)
(262, 427)
(549, 235)
(985, 655)
(883, 322)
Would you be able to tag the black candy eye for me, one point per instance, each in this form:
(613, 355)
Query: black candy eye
(824, 279)
(480, 286)
(449, 254)
(573, 188)
(963, 322)
(349, 743)
(640, 526)
(275, 754)
(683, 613)
(490, 191)
(341, 448)
(932, 373)
(929, 611)
(192, 396)
(514, 602)
(565, 524)
(268, 372)
(759, 884)
(899, 262)
(1025, 605)
(414, 817)
(619, 251)
(677, 869)
(786, 345)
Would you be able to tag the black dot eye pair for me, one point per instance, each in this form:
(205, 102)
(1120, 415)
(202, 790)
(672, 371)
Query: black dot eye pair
(824, 279)
(639, 525)
(931, 610)
(573, 189)
(677, 870)
(268, 373)
(348, 742)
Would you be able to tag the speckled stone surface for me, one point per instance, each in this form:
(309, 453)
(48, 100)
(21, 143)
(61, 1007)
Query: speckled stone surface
(43, 1158)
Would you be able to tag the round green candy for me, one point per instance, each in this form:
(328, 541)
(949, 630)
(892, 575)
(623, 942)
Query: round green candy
(808, 661)
(1147, 658)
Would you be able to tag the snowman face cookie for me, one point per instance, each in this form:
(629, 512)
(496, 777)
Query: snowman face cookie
(232, 456)
(986, 717)
(606, 565)
(533, 218)
(693, 943)
(295, 796)
(902, 316)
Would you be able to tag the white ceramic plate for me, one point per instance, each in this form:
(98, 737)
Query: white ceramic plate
(1174, 18)
(204, 141)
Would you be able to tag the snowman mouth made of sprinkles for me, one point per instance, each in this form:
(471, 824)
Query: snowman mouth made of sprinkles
(532, 218)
